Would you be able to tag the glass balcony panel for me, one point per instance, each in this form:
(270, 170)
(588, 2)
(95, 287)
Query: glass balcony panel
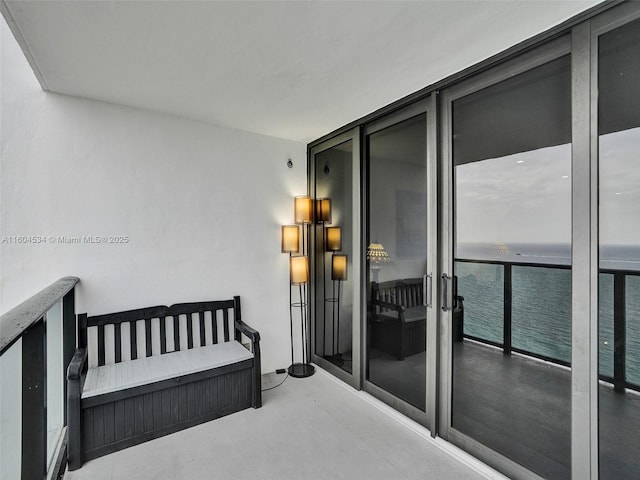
(541, 311)
(605, 314)
(632, 309)
(482, 287)
(55, 379)
(11, 411)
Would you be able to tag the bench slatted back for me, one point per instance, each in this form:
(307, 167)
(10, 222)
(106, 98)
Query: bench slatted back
(406, 292)
(194, 312)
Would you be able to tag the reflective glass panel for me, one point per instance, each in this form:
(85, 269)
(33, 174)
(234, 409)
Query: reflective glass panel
(619, 250)
(334, 244)
(511, 385)
(397, 260)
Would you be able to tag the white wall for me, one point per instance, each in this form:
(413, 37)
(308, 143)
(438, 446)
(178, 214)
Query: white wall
(201, 206)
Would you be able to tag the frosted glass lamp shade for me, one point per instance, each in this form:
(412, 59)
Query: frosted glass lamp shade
(290, 239)
(377, 254)
(338, 267)
(323, 210)
(333, 239)
(303, 209)
(299, 269)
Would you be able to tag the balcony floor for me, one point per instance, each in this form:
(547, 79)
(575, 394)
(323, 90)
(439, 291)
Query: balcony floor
(521, 407)
(313, 428)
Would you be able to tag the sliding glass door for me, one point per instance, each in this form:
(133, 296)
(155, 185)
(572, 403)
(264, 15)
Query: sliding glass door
(336, 298)
(400, 335)
(507, 268)
(618, 62)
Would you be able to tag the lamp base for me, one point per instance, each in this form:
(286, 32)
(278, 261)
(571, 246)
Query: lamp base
(301, 370)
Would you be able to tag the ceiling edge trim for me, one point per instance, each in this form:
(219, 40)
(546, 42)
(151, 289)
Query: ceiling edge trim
(24, 46)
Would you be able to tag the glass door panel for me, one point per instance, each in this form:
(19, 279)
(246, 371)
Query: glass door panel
(511, 320)
(619, 251)
(336, 290)
(334, 240)
(399, 267)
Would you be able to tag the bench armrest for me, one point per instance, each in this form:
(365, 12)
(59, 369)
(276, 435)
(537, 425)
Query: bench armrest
(247, 331)
(390, 306)
(253, 334)
(77, 364)
(76, 374)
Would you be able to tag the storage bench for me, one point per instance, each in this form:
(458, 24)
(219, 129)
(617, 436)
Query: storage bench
(155, 371)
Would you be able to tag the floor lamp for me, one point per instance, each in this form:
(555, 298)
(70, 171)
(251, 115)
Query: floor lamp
(290, 244)
(299, 276)
(299, 271)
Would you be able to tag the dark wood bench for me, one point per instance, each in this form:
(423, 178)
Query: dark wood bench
(169, 368)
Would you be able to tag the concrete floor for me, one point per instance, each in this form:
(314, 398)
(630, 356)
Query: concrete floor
(313, 428)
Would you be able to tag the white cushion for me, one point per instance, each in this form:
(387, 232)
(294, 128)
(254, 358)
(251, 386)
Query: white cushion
(142, 371)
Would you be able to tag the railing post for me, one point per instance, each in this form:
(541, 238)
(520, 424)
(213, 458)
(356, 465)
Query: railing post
(34, 400)
(68, 338)
(619, 331)
(507, 310)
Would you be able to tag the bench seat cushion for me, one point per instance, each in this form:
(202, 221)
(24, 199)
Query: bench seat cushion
(127, 374)
(411, 314)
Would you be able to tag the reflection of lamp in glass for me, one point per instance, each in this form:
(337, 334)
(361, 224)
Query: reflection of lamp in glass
(323, 217)
(332, 243)
(323, 210)
(290, 239)
(333, 239)
(338, 274)
(376, 254)
(299, 275)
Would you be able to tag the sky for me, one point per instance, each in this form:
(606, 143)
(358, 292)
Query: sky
(526, 197)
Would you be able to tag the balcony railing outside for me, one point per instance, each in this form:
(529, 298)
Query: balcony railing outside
(37, 341)
(526, 308)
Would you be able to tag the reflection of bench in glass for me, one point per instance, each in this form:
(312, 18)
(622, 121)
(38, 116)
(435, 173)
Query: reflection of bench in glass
(398, 317)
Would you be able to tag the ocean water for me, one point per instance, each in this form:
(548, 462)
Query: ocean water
(541, 299)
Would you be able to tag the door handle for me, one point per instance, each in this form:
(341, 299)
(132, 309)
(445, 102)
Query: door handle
(426, 290)
(447, 293)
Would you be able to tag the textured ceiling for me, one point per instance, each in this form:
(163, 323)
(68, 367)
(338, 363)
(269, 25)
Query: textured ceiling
(294, 70)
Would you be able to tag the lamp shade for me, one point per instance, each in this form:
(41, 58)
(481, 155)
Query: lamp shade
(323, 210)
(303, 209)
(299, 268)
(333, 239)
(290, 238)
(338, 267)
(377, 254)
